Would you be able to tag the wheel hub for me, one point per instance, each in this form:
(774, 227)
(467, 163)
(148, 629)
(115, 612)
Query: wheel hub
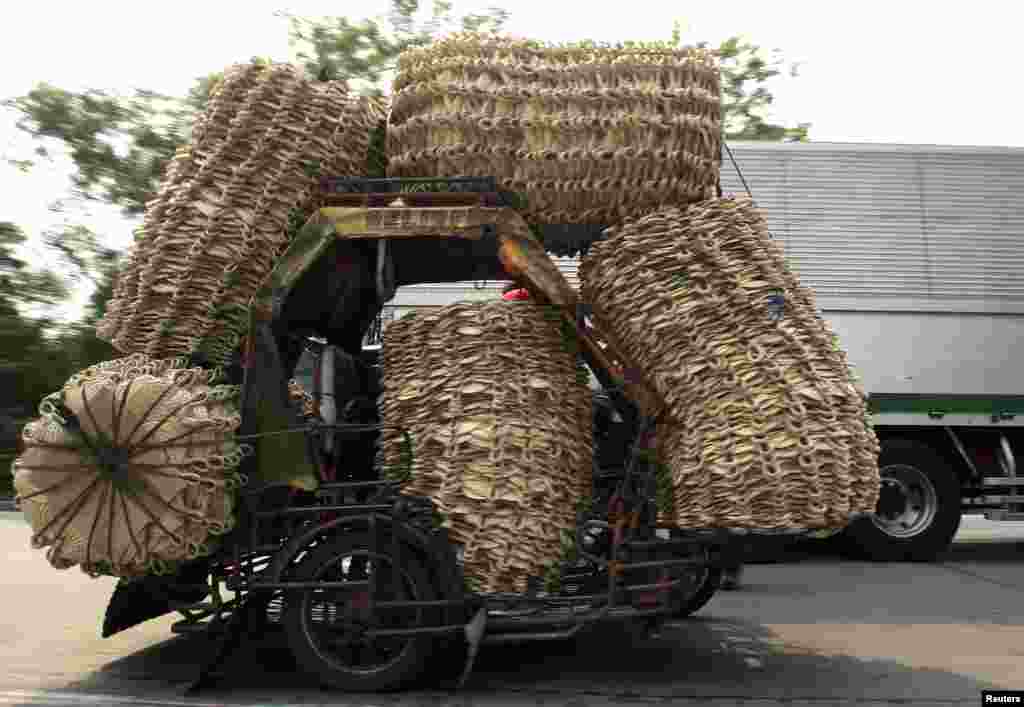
(907, 502)
(892, 499)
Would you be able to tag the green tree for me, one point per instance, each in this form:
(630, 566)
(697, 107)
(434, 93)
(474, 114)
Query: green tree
(746, 99)
(91, 126)
(149, 127)
(86, 259)
(29, 364)
(363, 52)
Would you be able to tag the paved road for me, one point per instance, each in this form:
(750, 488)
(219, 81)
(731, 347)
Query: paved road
(815, 632)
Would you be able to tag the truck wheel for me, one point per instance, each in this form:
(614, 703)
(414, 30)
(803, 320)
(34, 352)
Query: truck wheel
(327, 629)
(918, 510)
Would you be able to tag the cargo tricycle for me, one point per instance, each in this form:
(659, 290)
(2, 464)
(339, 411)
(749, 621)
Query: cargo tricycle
(365, 583)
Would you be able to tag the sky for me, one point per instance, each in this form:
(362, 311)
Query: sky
(902, 71)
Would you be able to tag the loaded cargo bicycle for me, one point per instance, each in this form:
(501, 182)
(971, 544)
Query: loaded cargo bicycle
(467, 488)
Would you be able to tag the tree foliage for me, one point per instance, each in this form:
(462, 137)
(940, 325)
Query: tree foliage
(119, 145)
(363, 52)
(26, 349)
(746, 99)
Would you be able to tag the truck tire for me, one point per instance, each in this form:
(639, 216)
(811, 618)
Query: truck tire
(918, 510)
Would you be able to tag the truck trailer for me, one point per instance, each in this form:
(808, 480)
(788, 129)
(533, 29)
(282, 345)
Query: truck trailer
(916, 254)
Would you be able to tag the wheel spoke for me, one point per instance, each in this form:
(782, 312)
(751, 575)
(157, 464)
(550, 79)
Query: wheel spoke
(340, 618)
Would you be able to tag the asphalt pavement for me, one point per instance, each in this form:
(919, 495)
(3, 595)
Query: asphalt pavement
(810, 630)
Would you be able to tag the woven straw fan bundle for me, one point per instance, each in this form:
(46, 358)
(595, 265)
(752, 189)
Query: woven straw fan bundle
(499, 418)
(590, 134)
(219, 221)
(767, 430)
(132, 466)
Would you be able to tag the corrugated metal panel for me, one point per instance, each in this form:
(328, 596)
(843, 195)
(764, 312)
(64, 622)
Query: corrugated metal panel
(895, 227)
(876, 227)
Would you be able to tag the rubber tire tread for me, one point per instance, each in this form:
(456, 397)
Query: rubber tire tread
(863, 540)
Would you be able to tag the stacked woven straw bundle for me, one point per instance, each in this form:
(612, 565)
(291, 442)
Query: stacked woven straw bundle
(768, 429)
(589, 134)
(131, 467)
(220, 219)
(500, 421)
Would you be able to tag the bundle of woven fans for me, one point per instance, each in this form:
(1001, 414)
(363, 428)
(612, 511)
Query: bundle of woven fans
(498, 410)
(765, 428)
(588, 134)
(220, 219)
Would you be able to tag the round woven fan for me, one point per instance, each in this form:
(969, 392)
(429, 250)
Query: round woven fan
(130, 468)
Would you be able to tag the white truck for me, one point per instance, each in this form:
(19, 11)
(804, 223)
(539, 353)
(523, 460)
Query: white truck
(917, 258)
(916, 254)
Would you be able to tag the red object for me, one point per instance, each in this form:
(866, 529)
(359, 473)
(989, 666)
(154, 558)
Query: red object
(519, 295)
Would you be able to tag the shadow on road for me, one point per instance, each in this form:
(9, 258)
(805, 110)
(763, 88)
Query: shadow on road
(697, 660)
(830, 551)
(992, 551)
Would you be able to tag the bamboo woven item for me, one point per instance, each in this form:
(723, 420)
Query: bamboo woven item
(768, 428)
(589, 134)
(131, 467)
(220, 218)
(499, 414)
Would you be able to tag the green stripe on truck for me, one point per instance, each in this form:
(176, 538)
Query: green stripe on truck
(948, 405)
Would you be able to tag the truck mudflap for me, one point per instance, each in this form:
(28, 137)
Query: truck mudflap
(146, 598)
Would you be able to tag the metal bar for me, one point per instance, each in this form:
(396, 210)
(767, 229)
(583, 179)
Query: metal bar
(963, 452)
(313, 510)
(656, 544)
(415, 200)
(346, 485)
(453, 628)
(605, 614)
(243, 566)
(662, 563)
(987, 500)
(1004, 516)
(496, 624)
(433, 603)
(1008, 462)
(408, 180)
(551, 602)
(652, 587)
(1004, 481)
(631, 613)
(373, 570)
(527, 637)
(312, 585)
